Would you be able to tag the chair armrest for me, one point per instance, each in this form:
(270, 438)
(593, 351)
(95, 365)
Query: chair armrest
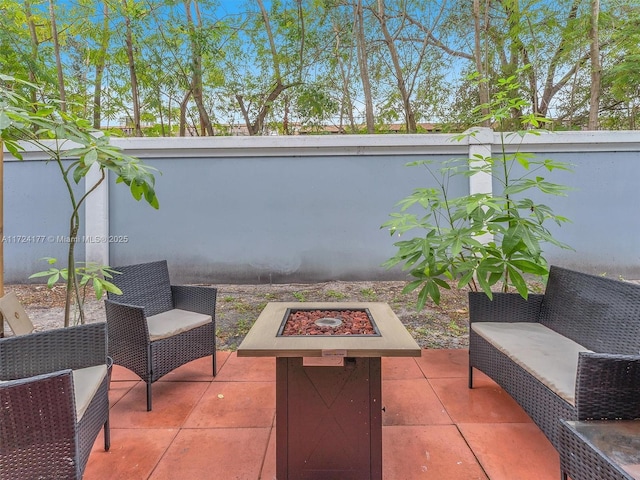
(38, 353)
(607, 386)
(194, 298)
(126, 324)
(505, 307)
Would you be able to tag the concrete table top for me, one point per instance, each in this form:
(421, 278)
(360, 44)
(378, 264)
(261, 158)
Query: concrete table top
(263, 340)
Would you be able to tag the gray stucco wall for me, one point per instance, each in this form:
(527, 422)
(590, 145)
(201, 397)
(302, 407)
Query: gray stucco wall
(305, 209)
(257, 220)
(604, 209)
(36, 218)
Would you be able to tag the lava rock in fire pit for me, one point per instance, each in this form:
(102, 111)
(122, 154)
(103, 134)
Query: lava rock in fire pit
(328, 322)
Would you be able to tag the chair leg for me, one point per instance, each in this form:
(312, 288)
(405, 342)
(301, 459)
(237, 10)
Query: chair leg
(107, 436)
(214, 363)
(470, 376)
(148, 396)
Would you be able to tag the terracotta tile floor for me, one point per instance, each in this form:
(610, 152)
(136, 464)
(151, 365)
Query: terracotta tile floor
(434, 427)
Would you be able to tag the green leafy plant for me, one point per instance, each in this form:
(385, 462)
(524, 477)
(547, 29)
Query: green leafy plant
(369, 294)
(335, 295)
(74, 147)
(299, 296)
(91, 276)
(480, 239)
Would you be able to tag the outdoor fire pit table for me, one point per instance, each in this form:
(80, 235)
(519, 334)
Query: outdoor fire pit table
(328, 383)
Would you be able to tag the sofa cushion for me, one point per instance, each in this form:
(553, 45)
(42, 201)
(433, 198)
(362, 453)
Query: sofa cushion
(548, 356)
(86, 382)
(172, 322)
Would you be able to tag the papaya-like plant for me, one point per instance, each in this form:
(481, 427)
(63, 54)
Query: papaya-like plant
(74, 147)
(480, 240)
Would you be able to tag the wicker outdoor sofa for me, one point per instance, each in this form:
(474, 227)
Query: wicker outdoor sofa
(54, 401)
(571, 353)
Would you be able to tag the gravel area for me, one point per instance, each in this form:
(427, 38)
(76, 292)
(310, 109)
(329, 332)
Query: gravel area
(436, 326)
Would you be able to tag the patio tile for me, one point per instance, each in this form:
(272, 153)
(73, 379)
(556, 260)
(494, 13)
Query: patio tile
(513, 450)
(444, 363)
(121, 374)
(434, 427)
(235, 404)
(485, 402)
(133, 455)
(411, 402)
(269, 465)
(119, 389)
(214, 453)
(200, 370)
(434, 451)
(247, 369)
(399, 368)
(172, 403)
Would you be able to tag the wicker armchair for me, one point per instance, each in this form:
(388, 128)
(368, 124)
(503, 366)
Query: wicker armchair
(155, 327)
(53, 401)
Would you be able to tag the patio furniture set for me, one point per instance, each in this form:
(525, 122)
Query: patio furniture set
(570, 357)
(572, 353)
(54, 384)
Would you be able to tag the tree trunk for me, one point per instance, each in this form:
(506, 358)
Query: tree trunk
(257, 127)
(56, 50)
(409, 116)
(483, 84)
(135, 92)
(100, 66)
(35, 43)
(346, 104)
(364, 68)
(196, 63)
(596, 69)
(183, 114)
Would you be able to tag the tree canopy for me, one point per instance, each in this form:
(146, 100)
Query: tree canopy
(213, 67)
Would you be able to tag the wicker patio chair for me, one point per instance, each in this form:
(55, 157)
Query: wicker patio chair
(155, 327)
(53, 401)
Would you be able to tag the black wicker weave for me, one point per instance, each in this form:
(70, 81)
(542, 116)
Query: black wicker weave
(601, 314)
(146, 291)
(40, 436)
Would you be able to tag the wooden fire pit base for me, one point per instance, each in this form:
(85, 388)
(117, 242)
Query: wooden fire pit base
(329, 420)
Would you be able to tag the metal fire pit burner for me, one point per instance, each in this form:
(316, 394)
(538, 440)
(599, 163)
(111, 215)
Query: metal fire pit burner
(328, 322)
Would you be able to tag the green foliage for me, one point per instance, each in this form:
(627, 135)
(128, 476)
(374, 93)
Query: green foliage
(369, 294)
(335, 295)
(90, 274)
(299, 296)
(480, 239)
(74, 147)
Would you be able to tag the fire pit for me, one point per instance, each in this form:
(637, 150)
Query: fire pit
(309, 321)
(328, 383)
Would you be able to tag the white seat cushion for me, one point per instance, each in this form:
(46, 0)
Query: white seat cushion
(86, 382)
(548, 356)
(15, 315)
(172, 322)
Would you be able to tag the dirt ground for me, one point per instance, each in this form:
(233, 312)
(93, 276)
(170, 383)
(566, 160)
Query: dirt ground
(237, 307)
